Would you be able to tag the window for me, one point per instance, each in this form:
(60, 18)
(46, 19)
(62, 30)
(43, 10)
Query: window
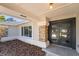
(27, 31)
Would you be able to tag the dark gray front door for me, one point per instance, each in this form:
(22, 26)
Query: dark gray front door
(61, 32)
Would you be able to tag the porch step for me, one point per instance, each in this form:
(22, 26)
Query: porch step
(56, 50)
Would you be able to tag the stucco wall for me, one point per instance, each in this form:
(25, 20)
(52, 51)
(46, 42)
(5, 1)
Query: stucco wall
(12, 31)
(35, 35)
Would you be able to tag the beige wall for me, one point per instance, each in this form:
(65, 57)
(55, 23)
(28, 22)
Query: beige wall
(35, 34)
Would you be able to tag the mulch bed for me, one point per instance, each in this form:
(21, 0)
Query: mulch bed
(19, 48)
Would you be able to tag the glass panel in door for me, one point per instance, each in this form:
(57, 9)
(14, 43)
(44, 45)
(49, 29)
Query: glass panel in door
(55, 33)
(60, 34)
(65, 34)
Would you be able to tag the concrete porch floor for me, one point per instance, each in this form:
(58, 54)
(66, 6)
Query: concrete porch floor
(56, 50)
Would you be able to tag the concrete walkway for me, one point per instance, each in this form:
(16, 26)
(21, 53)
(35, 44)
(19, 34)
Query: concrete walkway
(56, 50)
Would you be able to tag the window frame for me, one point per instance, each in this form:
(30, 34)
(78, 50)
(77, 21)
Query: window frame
(23, 32)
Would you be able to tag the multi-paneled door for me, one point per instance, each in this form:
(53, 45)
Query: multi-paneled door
(63, 32)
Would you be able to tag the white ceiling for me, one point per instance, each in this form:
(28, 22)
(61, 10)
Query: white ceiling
(36, 10)
(39, 8)
(32, 9)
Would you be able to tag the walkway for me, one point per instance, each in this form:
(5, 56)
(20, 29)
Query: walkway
(56, 50)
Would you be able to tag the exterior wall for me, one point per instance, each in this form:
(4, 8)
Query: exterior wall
(77, 33)
(12, 31)
(35, 35)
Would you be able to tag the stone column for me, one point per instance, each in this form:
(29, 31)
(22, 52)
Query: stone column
(43, 31)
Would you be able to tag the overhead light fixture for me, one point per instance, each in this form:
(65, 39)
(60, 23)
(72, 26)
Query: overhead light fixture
(50, 5)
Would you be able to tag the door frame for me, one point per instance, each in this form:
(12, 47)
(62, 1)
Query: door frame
(73, 27)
